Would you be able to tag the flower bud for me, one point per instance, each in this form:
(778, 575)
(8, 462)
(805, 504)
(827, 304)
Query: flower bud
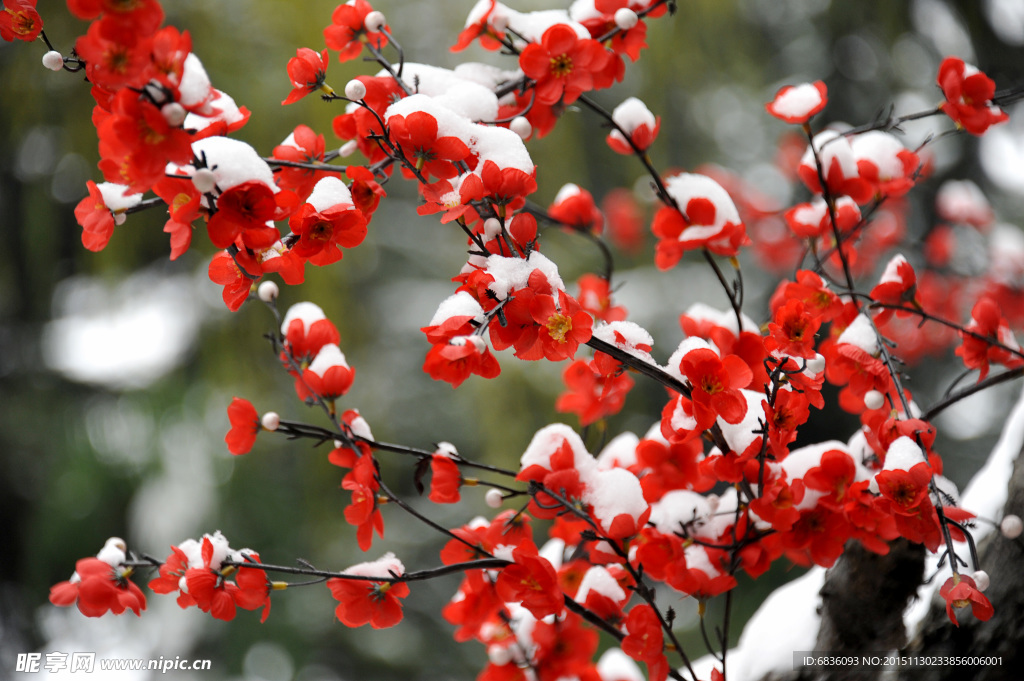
(625, 18)
(521, 127)
(120, 219)
(348, 148)
(498, 655)
(816, 365)
(204, 180)
(1012, 526)
(174, 114)
(374, 21)
(268, 291)
(53, 60)
(874, 399)
(981, 580)
(492, 227)
(355, 90)
(270, 421)
(494, 498)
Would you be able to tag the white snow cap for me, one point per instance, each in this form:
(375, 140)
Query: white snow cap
(723, 318)
(612, 493)
(115, 198)
(306, 311)
(382, 567)
(797, 101)
(514, 273)
(461, 304)
(233, 162)
(740, 435)
(832, 147)
(328, 193)
(881, 149)
(686, 186)
(891, 273)
(615, 665)
(861, 332)
(903, 454)
(489, 143)
(630, 115)
(678, 508)
(193, 549)
(627, 336)
(599, 580)
(620, 452)
(548, 439)
(329, 356)
(195, 89)
(463, 96)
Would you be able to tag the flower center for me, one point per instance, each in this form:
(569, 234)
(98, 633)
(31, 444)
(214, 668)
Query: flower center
(561, 66)
(558, 325)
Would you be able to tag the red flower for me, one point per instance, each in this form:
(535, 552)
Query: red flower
(478, 26)
(366, 191)
(207, 586)
(445, 479)
(302, 146)
(308, 73)
(253, 587)
(245, 425)
(244, 211)
(637, 123)
(322, 234)
(115, 55)
(987, 320)
(224, 270)
(591, 395)
(961, 591)
(100, 588)
(716, 385)
(797, 103)
(95, 218)
(329, 376)
(363, 511)
(562, 64)
(706, 217)
(19, 20)
(172, 570)
(531, 581)
(433, 155)
(562, 327)
(370, 602)
(968, 94)
(905, 489)
(792, 330)
(507, 188)
(348, 29)
(454, 359)
(574, 207)
(645, 642)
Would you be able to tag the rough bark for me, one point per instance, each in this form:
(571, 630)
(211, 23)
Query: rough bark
(1003, 560)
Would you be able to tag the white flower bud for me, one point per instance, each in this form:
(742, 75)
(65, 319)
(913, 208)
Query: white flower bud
(355, 90)
(174, 114)
(204, 180)
(981, 580)
(499, 655)
(874, 399)
(625, 18)
(374, 21)
(492, 227)
(53, 60)
(120, 218)
(494, 498)
(1012, 526)
(522, 127)
(268, 291)
(816, 365)
(348, 148)
(270, 421)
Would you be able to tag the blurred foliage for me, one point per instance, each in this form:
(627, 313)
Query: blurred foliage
(79, 463)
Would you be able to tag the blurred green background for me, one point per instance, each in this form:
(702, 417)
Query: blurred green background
(116, 368)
